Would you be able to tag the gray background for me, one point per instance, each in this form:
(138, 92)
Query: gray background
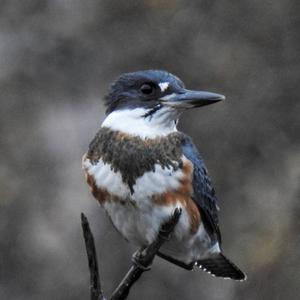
(57, 59)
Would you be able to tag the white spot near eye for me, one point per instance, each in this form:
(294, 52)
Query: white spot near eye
(163, 86)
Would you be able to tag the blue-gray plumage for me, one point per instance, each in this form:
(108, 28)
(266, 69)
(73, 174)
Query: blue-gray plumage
(203, 191)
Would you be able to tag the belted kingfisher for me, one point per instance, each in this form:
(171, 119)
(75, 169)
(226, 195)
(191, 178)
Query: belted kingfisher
(140, 168)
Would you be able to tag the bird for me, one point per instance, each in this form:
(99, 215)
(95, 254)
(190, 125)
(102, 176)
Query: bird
(140, 168)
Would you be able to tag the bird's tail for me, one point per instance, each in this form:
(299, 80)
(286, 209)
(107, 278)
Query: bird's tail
(220, 266)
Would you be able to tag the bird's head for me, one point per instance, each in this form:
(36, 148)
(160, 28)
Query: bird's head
(148, 103)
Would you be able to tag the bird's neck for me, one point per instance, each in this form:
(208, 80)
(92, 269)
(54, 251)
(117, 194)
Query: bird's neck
(135, 122)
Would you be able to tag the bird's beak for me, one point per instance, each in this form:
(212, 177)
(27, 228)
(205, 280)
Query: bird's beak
(190, 99)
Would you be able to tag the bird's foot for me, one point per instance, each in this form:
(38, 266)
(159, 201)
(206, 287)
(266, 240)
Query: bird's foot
(138, 260)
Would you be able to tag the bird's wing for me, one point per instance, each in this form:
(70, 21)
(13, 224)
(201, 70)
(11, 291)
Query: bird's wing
(203, 192)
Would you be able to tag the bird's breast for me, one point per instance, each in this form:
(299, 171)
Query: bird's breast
(130, 157)
(160, 184)
(140, 193)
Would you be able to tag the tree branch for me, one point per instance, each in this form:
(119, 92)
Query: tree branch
(95, 288)
(141, 260)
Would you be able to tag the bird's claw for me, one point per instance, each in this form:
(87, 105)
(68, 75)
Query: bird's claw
(137, 259)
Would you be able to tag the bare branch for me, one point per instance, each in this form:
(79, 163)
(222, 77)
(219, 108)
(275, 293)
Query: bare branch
(141, 260)
(95, 288)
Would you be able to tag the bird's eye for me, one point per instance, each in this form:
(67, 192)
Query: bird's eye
(147, 88)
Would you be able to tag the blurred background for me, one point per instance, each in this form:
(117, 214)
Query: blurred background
(57, 59)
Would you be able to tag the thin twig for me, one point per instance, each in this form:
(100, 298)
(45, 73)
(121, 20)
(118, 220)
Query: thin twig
(95, 288)
(141, 260)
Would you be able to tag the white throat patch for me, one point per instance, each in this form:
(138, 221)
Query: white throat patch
(133, 122)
